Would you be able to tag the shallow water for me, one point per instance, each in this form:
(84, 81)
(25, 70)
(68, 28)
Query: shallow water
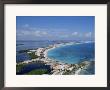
(73, 53)
(24, 45)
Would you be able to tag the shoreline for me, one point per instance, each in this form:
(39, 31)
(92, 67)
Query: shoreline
(57, 46)
(60, 45)
(59, 68)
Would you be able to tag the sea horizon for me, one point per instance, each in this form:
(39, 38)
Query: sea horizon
(55, 45)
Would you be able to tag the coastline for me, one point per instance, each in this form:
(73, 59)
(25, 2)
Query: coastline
(57, 46)
(46, 51)
(58, 68)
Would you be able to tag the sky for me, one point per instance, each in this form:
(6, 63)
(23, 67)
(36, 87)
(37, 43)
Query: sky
(55, 27)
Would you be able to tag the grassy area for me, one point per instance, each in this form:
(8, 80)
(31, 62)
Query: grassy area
(32, 55)
(37, 72)
(19, 67)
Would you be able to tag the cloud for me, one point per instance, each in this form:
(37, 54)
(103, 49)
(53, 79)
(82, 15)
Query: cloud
(27, 30)
(44, 33)
(89, 34)
(75, 33)
(31, 33)
(36, 33)
(25, 25)
(40, 33)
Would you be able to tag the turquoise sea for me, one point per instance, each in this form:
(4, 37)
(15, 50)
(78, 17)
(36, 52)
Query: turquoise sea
(73, 53)
(25, 45)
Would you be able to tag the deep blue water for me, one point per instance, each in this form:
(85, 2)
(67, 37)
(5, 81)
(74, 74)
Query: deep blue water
(22, 57)
(73, 53)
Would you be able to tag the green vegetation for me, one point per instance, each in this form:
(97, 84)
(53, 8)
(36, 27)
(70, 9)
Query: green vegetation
(37, 72)
(19, 67)
(32, 55)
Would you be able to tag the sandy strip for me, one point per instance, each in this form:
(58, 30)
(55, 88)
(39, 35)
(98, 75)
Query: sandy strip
(46, 51)
(60, 45)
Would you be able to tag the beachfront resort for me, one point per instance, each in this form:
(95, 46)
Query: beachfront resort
(55, 45)
(56, 67)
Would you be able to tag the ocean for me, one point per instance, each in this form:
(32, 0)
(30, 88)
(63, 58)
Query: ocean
(67, 54)
(73, 54)
(29, 44)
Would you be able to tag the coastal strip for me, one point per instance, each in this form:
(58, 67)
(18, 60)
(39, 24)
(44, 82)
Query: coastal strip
(57, 67)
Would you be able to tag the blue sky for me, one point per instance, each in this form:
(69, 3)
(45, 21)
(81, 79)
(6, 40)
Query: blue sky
(55, 27)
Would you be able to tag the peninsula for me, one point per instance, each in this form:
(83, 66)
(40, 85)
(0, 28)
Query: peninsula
(57, 68)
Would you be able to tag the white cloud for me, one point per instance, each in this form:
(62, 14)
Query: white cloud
(36, 33)
(25, 32)
(40, 33)
(89, 34)
(31, 33)
(44, 33)
(75, 33)
(26, 25)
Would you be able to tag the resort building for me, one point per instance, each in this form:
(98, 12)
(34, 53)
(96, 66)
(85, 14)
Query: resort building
(39, 51)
